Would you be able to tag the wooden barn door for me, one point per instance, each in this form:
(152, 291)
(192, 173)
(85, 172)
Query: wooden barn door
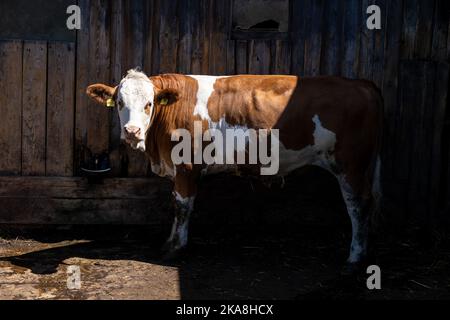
(50, 126)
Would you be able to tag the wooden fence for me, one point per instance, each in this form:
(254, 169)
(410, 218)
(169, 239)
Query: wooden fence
(48, 122)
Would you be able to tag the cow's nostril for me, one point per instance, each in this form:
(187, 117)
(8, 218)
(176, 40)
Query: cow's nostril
(132, 130)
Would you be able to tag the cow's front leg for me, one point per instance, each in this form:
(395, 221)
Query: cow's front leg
(183, 207)
(183, 197)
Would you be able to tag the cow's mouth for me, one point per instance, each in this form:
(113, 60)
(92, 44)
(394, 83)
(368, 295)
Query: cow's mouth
(137, 144)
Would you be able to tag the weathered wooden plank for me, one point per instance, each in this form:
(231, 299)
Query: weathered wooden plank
(298, 35)
(409, 32)
(43, 200)
(372, 45)
(34, 90)
(420, 114)
(81, 188)
(398, 184)
(259, 57)
(199, 47)
(155, 48)
(440, 30)
(117, 72)
(168, 36)
(99, 65)
(424, 33)
(313, 40)
(446, 164)
(390, 88)
(82, 211)
(241, 57)
(60, 109)
(134, 34)
(366, 46)
(82, 81)
(352, 23)
(379, 45)
(187, 17)
(332, 38)
(11, 107)
(117, 40)
(149, 16)
(281, 58)
(440, 103)
(448, 41)
(410, 74)
(221, 15)
(408, 97)
(231, 57)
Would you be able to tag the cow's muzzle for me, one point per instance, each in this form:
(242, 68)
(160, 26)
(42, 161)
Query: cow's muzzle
(133, 136)
(132, 131)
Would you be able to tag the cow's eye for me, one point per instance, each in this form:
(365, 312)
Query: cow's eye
(147, 108)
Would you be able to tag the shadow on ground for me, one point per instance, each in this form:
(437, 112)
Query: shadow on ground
(237, 251)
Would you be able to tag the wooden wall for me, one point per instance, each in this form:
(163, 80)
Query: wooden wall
(37, 106)
(51, 122)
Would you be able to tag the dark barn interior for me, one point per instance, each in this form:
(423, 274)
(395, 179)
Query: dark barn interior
(51, 132)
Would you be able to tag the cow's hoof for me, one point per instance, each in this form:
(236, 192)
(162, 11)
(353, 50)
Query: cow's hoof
(169, 252)
(170, 256)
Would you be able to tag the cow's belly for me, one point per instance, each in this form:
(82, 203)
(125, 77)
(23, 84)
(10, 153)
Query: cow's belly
(291, 160)
(320, 153)
(220, 168)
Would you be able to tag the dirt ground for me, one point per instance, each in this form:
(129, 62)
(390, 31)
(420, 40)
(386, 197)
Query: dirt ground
(124, 263)
(246, 242)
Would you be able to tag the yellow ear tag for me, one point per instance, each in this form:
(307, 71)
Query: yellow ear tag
(110, 103)
(164, 101)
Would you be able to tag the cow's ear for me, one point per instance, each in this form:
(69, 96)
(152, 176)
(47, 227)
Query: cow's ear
(101, 93)
(167, 97)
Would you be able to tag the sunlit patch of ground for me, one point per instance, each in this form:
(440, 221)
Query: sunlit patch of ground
(35, 270)
(304, 263)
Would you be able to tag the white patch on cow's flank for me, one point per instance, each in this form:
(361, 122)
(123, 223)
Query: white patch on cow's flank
(205, 90)
(319, 154)
(324, 139)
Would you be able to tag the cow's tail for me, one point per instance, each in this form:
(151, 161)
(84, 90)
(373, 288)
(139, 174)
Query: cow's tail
(377, 192)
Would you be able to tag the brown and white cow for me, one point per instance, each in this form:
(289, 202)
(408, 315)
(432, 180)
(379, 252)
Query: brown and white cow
(330, 122)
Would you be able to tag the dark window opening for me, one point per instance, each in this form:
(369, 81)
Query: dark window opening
(267, 25)
(257, 19)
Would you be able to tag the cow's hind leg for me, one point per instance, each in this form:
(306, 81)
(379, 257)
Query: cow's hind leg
(358, 207)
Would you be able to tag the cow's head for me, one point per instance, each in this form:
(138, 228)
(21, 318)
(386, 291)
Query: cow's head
(134, 98)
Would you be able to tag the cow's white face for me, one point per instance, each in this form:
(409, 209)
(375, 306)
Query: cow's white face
(135, 100)
(135, 103)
